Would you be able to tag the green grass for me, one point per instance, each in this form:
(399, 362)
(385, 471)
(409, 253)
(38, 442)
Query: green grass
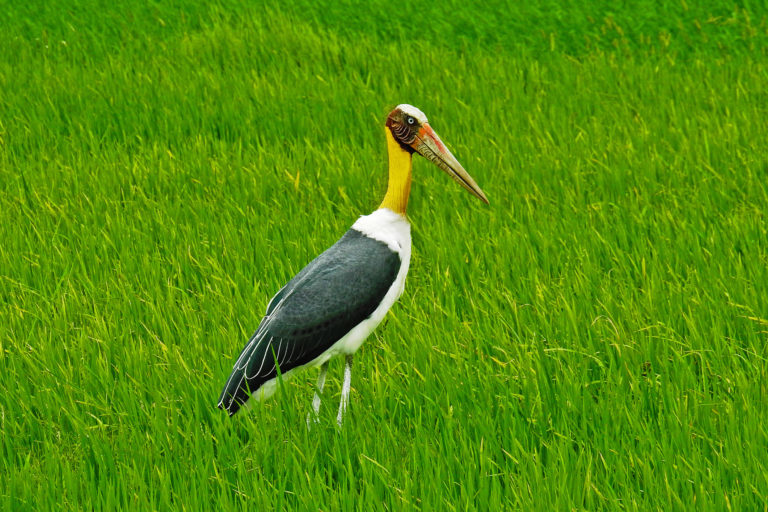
(595, 339)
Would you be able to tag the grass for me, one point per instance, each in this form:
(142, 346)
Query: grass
(596, 339)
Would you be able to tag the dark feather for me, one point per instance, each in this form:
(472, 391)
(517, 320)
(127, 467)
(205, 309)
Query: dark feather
(335, 292)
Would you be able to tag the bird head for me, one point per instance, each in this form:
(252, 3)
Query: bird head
(411, 130)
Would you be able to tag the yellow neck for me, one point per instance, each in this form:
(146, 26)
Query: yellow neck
(396, 198)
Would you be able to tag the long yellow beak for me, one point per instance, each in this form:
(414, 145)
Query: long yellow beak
(429, 145)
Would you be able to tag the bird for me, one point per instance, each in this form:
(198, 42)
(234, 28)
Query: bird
(334, 303)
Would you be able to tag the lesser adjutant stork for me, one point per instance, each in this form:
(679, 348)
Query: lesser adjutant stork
(339, 298)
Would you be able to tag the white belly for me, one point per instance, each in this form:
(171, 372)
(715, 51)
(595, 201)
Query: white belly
(394, 230)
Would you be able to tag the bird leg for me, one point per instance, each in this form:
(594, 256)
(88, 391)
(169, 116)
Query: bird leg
(345, 389)
(318, 391)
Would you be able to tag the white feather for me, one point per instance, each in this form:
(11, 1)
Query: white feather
(392, 229)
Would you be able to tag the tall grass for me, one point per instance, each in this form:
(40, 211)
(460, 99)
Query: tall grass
(596, 339)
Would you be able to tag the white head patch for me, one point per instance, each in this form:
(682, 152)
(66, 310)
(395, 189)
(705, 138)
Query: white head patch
(413, 112)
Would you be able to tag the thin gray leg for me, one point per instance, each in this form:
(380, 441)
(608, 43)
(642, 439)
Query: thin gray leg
(318, 391)
(345, 389)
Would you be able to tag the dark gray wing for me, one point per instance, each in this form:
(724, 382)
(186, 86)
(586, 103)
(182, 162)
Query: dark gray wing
(335, 292)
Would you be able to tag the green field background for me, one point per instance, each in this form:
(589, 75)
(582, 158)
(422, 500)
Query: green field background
(595, 339)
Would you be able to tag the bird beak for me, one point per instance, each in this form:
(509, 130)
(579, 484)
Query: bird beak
(429, 145)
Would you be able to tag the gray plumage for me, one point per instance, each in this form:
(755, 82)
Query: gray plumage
(335, 292)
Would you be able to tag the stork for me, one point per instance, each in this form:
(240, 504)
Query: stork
(331, 306)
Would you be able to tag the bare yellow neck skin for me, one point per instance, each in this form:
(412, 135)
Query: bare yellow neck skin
(399, 188)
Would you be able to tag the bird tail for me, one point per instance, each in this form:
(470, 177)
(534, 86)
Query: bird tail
(235, 393)
(238, 388)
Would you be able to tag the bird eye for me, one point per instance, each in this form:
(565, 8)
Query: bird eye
(411, 121)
